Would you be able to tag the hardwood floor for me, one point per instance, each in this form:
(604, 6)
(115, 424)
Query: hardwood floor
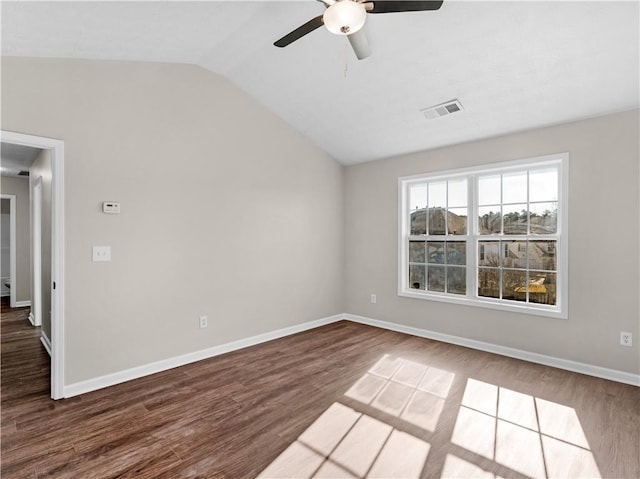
(344, 400)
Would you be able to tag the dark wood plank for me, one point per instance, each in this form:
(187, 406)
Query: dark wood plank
(233, 415)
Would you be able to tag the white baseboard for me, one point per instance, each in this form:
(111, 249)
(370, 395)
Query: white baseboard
(112, 379)
(46, 342)
(583, 368)
(23, 304)
(32, 319)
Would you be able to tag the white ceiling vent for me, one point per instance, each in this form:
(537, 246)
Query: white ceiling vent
(443, 109)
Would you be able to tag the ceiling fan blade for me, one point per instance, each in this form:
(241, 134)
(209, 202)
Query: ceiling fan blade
(360, 44)
(391, 6)
(300, 32)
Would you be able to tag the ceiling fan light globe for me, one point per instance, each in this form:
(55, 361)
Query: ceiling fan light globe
(345, 17)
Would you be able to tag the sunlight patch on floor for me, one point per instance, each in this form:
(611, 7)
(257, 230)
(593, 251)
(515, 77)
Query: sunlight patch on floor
(457, 468)
(567, 460)
(329, 429)
(296, 461)
(499, 424)
(403, 456)
(495, 426)
(475, 432)
(561, 422)
(517, 408)
(345, 443)
(411, 391)
(361, 445)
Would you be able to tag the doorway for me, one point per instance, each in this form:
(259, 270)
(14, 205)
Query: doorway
(8, 247)
(55, 149)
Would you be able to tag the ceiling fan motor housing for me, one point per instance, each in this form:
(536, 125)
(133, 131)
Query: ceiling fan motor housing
(345, 17)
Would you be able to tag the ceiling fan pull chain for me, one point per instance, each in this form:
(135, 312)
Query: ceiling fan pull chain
(346, 64)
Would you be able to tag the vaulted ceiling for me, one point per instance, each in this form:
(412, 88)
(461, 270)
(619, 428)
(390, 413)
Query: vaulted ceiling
(513, 65)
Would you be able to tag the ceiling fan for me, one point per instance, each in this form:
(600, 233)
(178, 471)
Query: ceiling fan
(347, 17)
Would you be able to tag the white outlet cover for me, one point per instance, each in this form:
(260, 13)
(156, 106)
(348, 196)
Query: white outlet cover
(623, 336)
(102, 253)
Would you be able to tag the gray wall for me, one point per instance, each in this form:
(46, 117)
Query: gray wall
(20, 188)
(603, 243)
(226, 211)
(41, 168)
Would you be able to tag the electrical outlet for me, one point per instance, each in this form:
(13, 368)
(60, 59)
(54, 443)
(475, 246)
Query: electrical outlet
(373, 298)
(101, 253)
(626, 339)
(203, 321)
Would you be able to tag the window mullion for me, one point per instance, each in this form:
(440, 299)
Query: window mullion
(472, 237)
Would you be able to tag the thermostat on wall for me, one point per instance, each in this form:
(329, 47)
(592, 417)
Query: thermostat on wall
(110, 207)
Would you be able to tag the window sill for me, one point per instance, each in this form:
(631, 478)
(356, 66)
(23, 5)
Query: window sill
(541, 310)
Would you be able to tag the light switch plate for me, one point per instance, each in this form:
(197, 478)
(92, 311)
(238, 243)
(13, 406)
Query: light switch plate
(102, 253)
(111, 207)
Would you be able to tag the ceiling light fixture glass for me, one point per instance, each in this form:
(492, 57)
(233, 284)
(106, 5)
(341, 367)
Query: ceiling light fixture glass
(345, 17)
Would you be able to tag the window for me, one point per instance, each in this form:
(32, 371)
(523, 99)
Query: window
(438, 214)
(490, 236)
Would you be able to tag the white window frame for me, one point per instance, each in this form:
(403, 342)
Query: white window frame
(471, 298)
